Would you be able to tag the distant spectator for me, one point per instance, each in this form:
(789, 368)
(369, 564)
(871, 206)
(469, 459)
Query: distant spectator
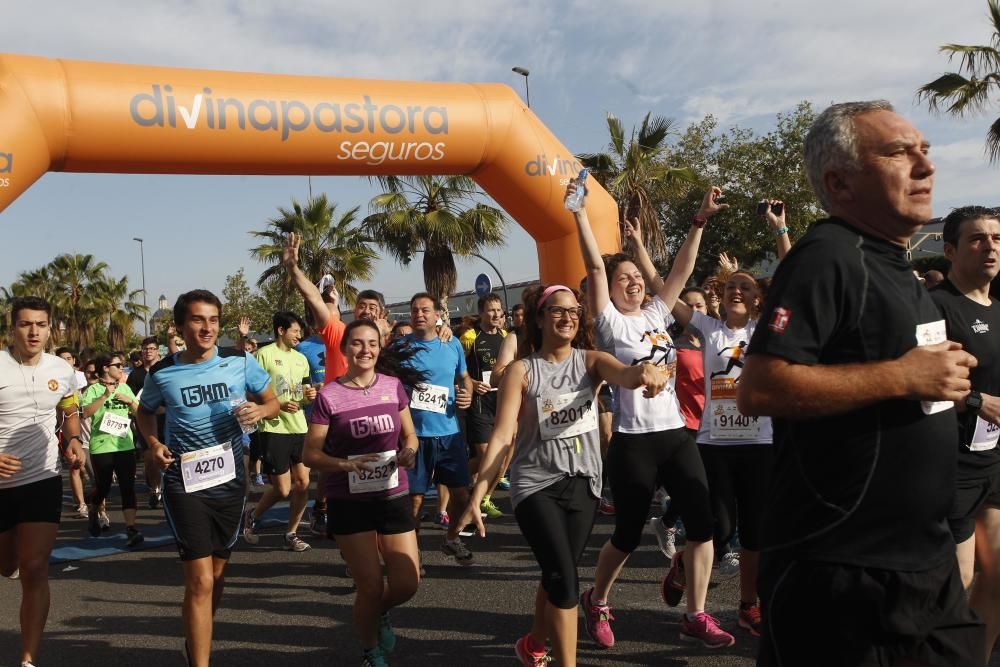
(933, 278)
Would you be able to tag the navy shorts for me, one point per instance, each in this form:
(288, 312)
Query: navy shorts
(440, 460)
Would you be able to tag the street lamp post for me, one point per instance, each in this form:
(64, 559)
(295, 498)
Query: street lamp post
(142, 263)
(524, 72)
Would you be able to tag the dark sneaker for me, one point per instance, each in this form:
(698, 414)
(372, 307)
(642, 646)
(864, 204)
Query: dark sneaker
(597, 620)
(94, 524)
(705, 629)
(457, 549)
(317, 522)
(134, 537)
(250, 535)
(373, 657)
(672, 586)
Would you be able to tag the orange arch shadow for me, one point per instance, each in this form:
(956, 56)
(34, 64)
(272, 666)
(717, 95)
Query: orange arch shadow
(64, 115)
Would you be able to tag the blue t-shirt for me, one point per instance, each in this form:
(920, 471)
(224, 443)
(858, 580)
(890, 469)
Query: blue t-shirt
(442, 364)
(198, 412)
(314, 351)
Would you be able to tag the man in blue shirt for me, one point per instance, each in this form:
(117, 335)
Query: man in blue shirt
(203, 390)
(443, 457)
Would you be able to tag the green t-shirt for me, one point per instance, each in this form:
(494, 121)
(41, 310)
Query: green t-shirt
(287, 369)
(101, 440)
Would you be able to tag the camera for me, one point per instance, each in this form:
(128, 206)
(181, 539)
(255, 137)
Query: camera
(763, 206)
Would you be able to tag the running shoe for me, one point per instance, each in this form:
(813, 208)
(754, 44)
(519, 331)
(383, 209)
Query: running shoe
(529, 659)
(457, 549)
(489, 509)
(443, 520)
(503, 484)
(729, 565)
(665, 537)
(606, 507)
(373, 657)
(386, 635)
(295, 543)
(82, 512)
(105, 520)
(705, 629)
(250, 535)
(749, 618)
(154, 499)
(258, 480)
(94, 525)
(317, 522)
(134, 537)
(672, 586)
(597, 620)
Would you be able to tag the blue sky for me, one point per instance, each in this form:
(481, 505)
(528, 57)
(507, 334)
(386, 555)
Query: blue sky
(742, 61)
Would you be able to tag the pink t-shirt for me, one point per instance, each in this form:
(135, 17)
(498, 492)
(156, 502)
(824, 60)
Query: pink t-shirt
(362, 422)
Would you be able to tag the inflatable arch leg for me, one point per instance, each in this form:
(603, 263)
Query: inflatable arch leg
(62, 115)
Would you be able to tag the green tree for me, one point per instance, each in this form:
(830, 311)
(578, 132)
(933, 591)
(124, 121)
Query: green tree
(967, 91)
(439, 216)
(748, 167)
(121, 308)
(238, 301)
(330, 244)
(76, 277)
(641, 174)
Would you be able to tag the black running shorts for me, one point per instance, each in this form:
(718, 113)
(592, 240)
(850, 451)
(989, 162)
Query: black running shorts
(37, 502)
(280, 451)
(391, 516)
(203, 526)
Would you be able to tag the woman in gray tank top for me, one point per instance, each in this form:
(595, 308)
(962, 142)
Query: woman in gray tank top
(556, 471)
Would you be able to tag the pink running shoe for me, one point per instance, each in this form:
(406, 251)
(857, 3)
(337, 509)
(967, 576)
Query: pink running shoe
(529, 659)
(597, 619)
(705, 629)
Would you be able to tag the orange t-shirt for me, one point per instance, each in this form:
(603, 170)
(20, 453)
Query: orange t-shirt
(332, 334)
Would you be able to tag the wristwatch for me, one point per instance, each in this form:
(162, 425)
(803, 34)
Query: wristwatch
(974, 401)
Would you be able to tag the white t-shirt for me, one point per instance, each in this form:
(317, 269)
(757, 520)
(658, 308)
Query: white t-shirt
(28, 399)
(724, 353)
(81, 381)
(632, 339)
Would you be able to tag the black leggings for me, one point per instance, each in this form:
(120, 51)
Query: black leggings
(738, 476)
(106, 466)
(556, 522)
(637, 464)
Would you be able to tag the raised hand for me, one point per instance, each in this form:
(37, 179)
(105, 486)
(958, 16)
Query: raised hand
(776, 221)
(633, 230)
(244, 327)
(710, 204)
(290, 253)
(727, 264)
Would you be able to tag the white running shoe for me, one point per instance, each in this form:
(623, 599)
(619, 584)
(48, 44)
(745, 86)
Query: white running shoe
(729, 565)
(665, 537)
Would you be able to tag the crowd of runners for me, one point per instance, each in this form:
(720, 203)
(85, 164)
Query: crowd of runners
(832, 442)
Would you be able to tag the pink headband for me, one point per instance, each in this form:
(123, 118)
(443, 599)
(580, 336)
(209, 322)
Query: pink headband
(549, 291)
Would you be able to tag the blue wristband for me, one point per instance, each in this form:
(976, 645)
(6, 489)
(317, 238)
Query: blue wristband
(780, 230)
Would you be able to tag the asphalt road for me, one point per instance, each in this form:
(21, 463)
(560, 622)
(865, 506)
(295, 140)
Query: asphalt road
(295, 608)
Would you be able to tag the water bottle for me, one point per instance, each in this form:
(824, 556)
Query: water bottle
(575, 201)
(236, 400)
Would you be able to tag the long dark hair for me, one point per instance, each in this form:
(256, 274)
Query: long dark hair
(531, 335)
(103, 361)
(392, 358)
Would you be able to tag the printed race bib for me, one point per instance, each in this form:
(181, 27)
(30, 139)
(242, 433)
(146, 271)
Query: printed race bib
(114, 425)
(209, 467)
(728, 424)
(566, 415)
(932, 333)
(986, 436)
(383, 475)
(432, 398)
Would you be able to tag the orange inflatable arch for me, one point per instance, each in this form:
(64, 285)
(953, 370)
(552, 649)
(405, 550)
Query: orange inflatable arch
(64, 115)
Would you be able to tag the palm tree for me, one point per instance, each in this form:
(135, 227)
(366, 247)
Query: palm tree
(638, 175)
(75, 277)
(965, 94)
(121, 308)
(330, 244)
(439, 216)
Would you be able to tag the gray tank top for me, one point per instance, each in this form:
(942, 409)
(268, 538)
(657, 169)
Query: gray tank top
(539, 462)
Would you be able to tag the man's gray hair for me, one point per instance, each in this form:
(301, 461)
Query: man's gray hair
(832, 142)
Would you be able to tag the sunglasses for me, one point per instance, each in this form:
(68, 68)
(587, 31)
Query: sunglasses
(558, 311)
(118, 365)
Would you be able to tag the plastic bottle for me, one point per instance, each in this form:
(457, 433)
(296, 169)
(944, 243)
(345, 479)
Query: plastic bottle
(575, 201)
(237, 399)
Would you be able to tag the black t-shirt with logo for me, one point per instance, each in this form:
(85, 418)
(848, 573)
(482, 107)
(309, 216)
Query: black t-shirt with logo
(871, 487)
(480, 359)
(977, 328)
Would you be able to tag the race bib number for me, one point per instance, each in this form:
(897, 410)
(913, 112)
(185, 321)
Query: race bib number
(728, 424)
(986, 436)
(567, 415)
(382, 475)
(432, 398)
(932, 333)
(114, 425)
(209, 467)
